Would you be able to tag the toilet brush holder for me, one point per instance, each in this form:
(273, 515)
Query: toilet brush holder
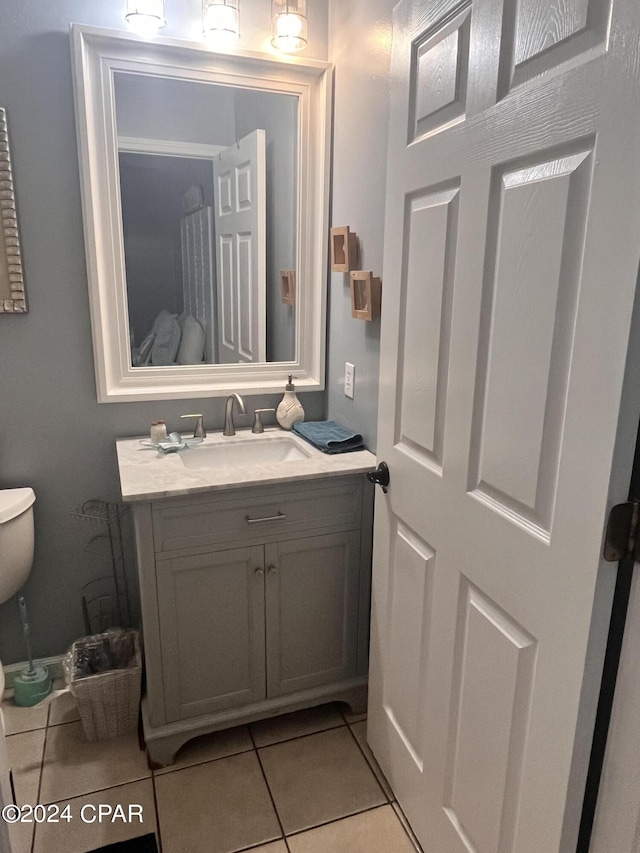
(34, 683)
(32, 686)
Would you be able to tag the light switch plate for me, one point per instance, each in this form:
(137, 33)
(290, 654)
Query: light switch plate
(349, 379)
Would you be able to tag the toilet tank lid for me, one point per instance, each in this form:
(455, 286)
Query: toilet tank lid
(14, 502)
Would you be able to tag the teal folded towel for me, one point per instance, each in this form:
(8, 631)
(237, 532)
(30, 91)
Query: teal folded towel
(329, 437)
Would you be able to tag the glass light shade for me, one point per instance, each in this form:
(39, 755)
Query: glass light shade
(221, 22)
(289, 25)
(145, 17)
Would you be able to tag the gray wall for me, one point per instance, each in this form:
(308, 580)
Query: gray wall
(360, 44)
(53, 434)
(157, 108)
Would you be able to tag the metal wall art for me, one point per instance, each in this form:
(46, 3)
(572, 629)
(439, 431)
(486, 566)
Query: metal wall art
(13, 297)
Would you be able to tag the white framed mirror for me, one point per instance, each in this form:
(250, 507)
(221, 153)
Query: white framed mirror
(204, 183)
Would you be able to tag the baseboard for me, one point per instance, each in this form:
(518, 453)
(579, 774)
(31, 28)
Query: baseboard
(54, 665)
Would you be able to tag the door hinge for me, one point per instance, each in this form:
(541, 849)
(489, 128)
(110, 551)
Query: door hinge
(621, 539)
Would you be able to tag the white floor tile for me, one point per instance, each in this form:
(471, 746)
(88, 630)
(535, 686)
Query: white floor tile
(360, 732)
(78, 835)
(18, 720)
(319, 778)
(25, 752)
(73, 766)
(217, 807)
(25, 757)
(375, 831)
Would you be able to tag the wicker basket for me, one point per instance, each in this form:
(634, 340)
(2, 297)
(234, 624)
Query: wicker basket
(109, 702)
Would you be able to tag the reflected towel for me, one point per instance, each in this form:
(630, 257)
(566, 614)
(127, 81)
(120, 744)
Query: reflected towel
(329, 436)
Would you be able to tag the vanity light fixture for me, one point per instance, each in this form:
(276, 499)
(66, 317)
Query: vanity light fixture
(145, 17)
(221, 22)
(289, 25)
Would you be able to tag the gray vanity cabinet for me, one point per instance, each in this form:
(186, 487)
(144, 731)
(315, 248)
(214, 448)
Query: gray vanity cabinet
(312, 587)
(212, 622)
(255, 602)
(232, 634)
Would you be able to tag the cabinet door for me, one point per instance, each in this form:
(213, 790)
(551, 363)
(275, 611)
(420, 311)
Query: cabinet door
(312, 611)
(211, 610)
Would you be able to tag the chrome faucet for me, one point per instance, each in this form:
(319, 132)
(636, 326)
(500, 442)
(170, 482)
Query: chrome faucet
(229, 428)
(199, 430)
(258, 426)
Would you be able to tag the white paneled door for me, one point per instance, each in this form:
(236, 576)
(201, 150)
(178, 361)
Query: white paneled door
(241, 250)
(511, 253)
(617, 820)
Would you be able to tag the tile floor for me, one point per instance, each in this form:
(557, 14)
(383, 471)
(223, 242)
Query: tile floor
(302, 783)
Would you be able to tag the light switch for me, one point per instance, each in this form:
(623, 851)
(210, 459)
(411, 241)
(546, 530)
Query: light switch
(349, 379)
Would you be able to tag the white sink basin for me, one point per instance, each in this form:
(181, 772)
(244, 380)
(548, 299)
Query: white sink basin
(242, 453)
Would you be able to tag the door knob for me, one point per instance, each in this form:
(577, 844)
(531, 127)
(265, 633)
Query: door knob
(380, 476)
(259, 573)
(273, 570)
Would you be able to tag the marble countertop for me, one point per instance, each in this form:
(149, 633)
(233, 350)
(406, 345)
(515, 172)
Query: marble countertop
(146, 474)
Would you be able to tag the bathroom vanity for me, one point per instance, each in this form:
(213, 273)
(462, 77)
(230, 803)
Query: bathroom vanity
(254, 581)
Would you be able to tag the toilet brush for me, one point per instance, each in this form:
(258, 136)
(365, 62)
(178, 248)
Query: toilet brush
(33, 684)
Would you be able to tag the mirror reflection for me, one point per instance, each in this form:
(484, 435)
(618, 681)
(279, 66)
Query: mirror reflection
(208, 186)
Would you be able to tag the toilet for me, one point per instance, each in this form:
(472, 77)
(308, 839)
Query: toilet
(16, 539)
(16, 558)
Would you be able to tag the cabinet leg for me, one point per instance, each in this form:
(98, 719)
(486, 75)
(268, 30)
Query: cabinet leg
(357, 708)
(161, 752)
(153, 765)
(356, 699)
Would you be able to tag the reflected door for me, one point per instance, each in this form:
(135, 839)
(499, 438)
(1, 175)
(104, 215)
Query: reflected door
(511, 253)
(240, 225)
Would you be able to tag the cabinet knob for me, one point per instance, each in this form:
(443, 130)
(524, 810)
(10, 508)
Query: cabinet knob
(273, 570)
(259, 573)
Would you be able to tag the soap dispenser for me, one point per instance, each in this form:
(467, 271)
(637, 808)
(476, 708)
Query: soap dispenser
(290, 410)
